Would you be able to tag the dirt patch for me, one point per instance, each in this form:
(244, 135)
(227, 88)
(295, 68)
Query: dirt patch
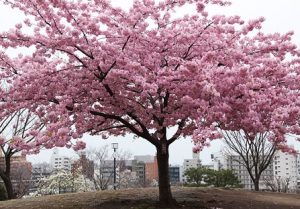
(187, 198)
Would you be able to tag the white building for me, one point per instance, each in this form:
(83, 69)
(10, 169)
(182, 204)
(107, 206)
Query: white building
(195, 162)
(219, 162)
(59, 162)
(285, 169)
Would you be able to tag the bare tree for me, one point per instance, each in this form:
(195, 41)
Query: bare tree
(14, 129)
(285, 182)
(256, 152)
(103, 163)
(21, 179)
(271, 184)
(278, 184)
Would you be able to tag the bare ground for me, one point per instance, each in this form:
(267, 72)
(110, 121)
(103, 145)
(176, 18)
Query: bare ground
(187, 198)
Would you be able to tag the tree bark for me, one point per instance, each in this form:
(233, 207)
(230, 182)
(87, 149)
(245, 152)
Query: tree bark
(256, 185)
(9, 188)
(5, 175)
(165, 195)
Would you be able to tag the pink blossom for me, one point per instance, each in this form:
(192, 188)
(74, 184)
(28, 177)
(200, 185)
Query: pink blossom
(105, 71)
(79, 145)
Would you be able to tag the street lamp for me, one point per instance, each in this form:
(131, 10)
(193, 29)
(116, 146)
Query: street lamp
(115, 147)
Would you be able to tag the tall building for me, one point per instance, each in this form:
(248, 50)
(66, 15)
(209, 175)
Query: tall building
(59, 162)
(286, 169)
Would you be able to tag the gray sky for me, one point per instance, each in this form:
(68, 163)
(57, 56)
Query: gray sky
(281, 16)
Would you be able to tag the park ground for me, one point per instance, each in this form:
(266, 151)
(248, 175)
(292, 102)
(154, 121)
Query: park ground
(200, 198)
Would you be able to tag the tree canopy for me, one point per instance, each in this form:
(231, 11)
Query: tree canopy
(104, 70)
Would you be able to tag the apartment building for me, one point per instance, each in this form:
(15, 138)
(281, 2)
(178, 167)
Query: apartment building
(59, 162)
(286, 169)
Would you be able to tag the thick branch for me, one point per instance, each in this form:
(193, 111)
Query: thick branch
(178, 132)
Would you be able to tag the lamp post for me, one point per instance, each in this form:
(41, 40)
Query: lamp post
(115, 147)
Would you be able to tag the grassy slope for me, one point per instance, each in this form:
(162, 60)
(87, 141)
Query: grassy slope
(145, 199)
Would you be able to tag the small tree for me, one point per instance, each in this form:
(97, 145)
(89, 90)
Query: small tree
(21, 178)
(204, 176)
(103, 163)
(127, 179)
(278, 184)
(255, 153)
(227, 177)
(195, 175)
(64, 181)
(57, 183)
(18, 131)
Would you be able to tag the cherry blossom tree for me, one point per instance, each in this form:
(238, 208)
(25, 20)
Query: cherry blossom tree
(103, 70)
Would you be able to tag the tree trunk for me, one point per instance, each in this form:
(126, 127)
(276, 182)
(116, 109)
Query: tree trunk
(165, 195)
(9, 188)
(5, 175)
(256, 185)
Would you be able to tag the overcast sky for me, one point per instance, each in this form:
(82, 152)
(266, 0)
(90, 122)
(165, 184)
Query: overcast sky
(281, 16)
